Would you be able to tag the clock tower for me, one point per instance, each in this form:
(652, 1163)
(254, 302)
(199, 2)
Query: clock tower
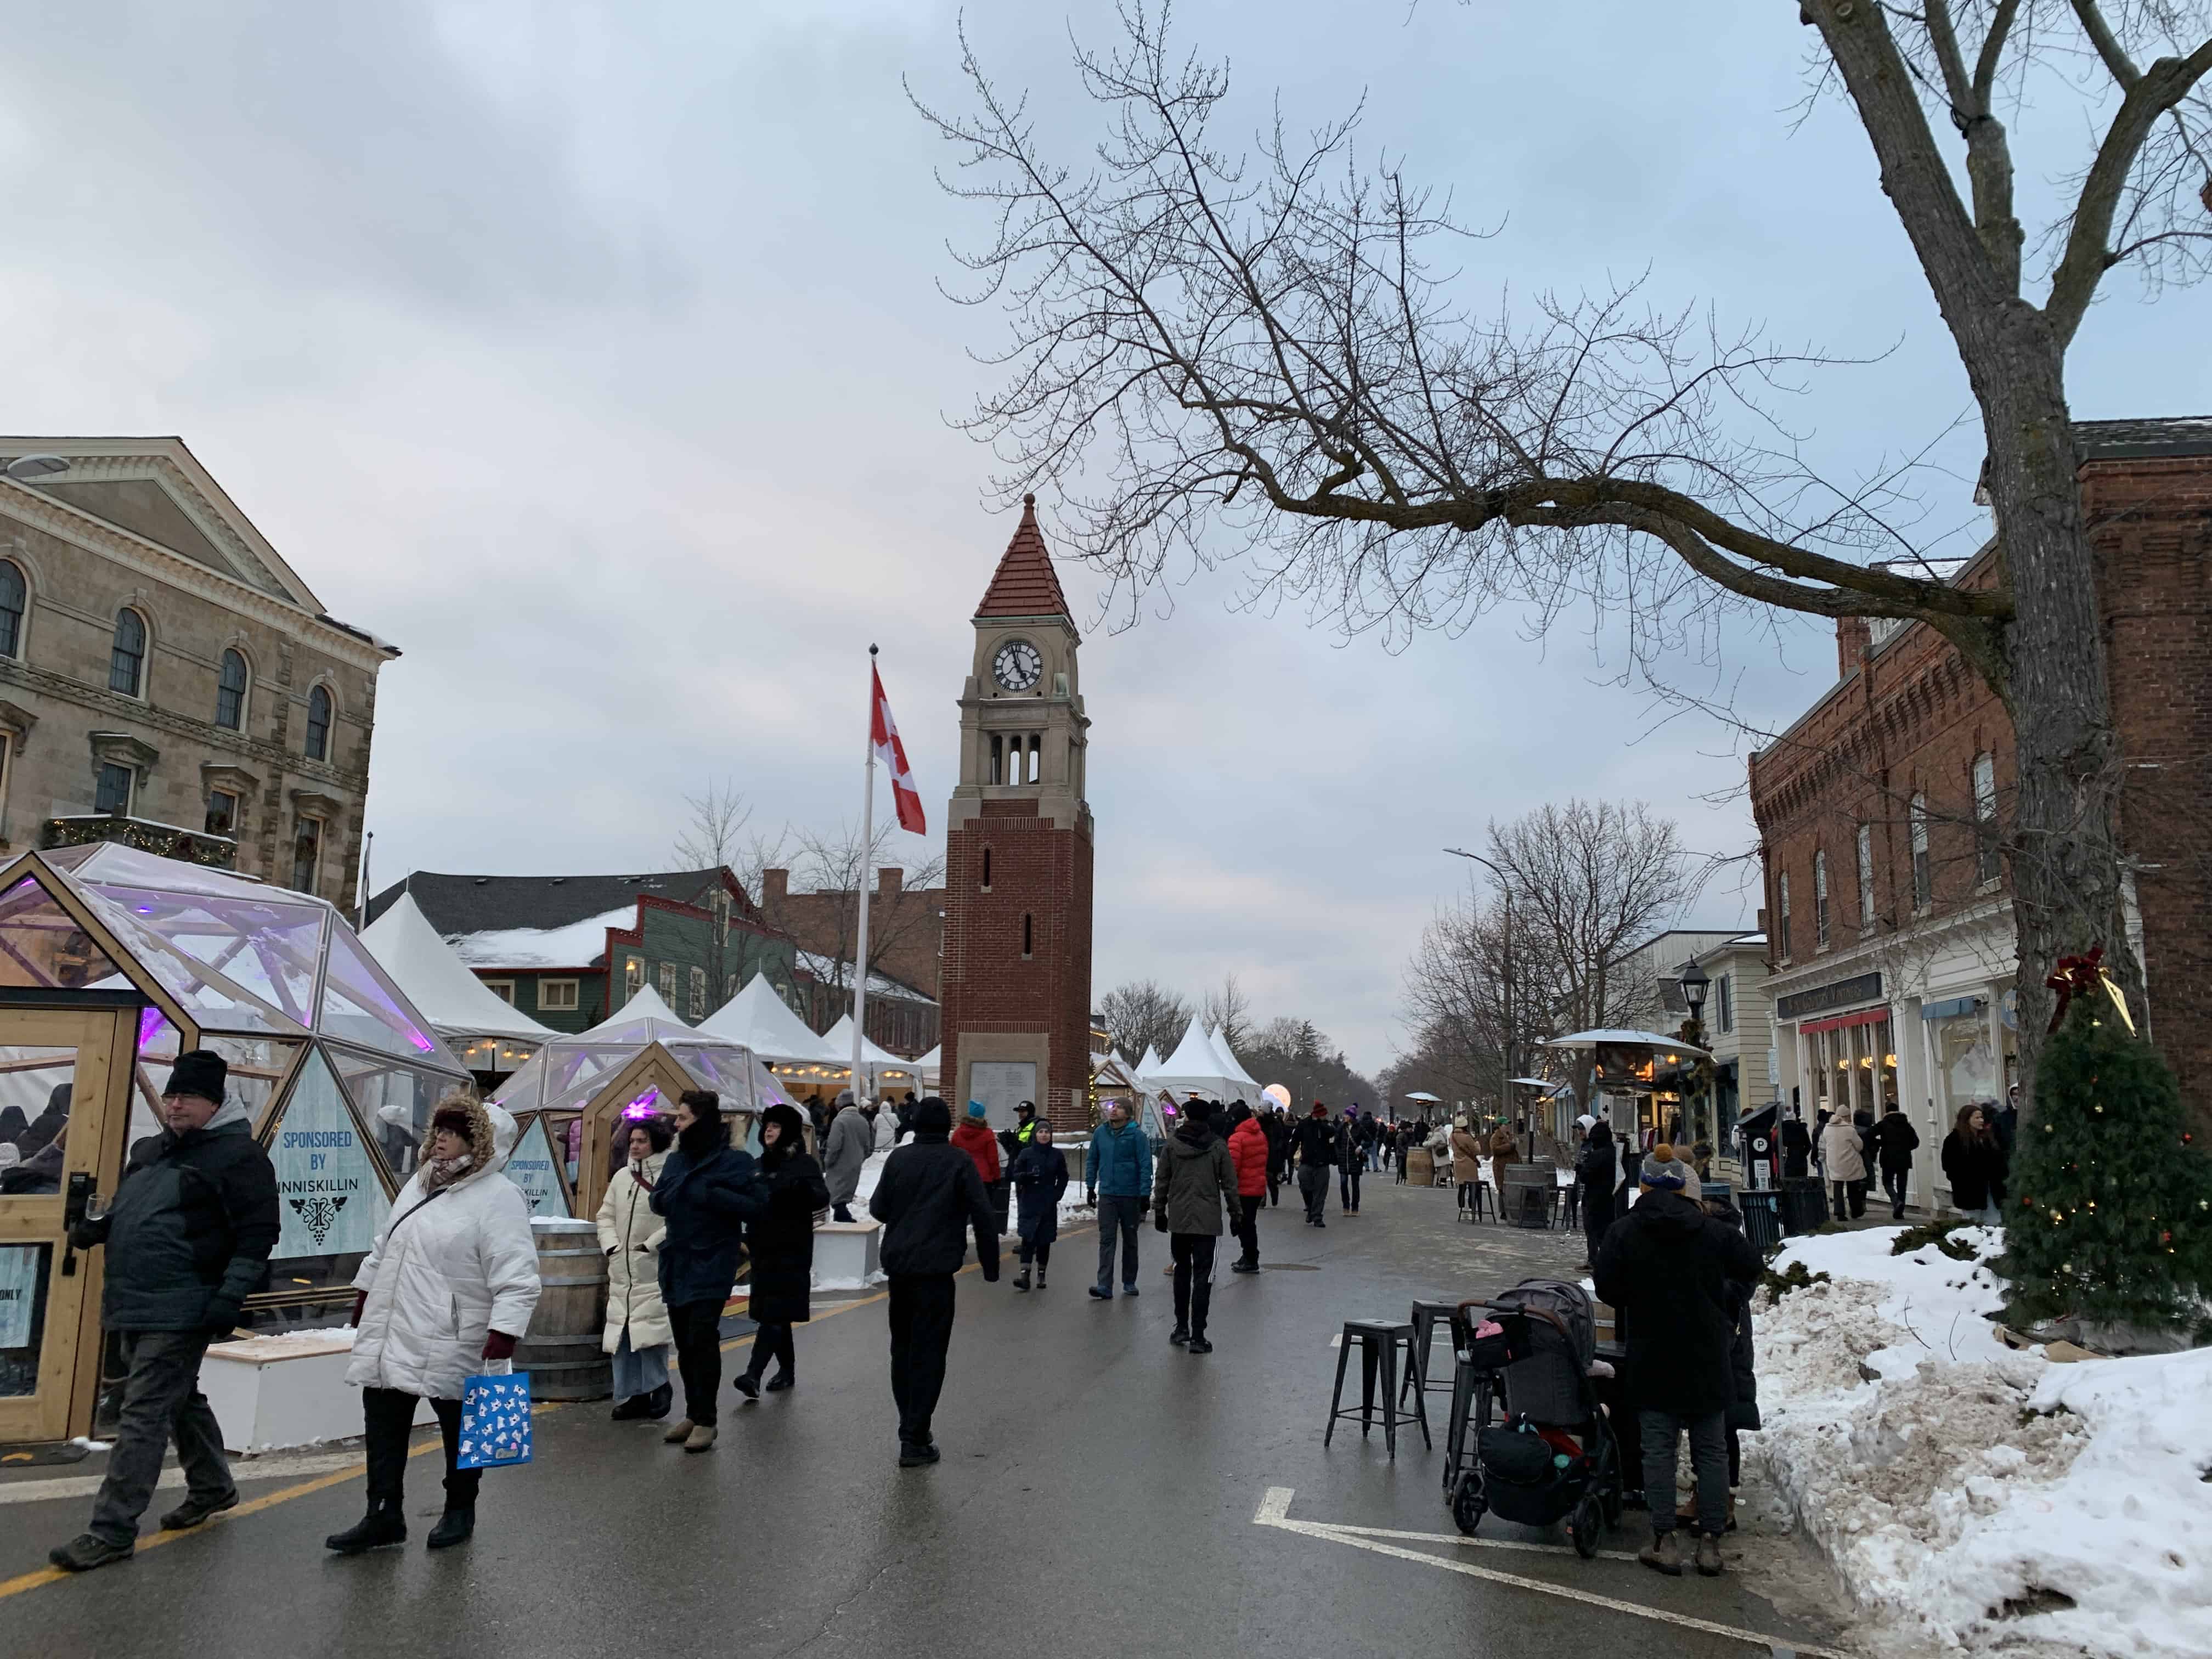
(1015, 987)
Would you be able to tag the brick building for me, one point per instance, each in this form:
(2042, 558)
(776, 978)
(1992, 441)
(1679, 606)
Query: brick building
(906, 947)
(569, 951)
(1016, 987)
(1882, 811)
(166, 679)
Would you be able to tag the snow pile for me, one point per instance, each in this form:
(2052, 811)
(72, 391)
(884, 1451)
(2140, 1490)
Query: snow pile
(1971, 1497)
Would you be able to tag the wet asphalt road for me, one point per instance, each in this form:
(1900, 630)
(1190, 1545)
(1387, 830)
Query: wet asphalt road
(1098, 1496)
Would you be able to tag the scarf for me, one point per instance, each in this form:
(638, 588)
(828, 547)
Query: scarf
(444, 1171)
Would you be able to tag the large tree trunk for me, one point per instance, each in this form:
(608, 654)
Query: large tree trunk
(2065, 850)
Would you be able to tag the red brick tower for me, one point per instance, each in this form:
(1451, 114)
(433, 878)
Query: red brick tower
(1015, 984)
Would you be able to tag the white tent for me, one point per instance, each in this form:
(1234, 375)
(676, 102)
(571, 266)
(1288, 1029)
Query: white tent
(760, 1019)
(1195, 1069)
(1149, 1063)
(1232, 1068)
(487, 1032)
(930, 1065)
(881, 1065)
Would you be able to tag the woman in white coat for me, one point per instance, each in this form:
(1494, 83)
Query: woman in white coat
(452, 1282)
(637, 1331)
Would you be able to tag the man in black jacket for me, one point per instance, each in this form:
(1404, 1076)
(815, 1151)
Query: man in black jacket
(188, 1238)
(1314, 1142)
(1897, 1140)
(928, 1197)
(1666, 1268)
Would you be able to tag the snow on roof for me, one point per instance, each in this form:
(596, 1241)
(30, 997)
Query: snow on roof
(578, 945)
(437, 981)
(831, 970)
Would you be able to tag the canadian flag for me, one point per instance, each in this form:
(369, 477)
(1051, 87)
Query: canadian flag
(883, 734)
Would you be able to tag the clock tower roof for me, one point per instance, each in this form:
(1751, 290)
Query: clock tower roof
(1025, 584)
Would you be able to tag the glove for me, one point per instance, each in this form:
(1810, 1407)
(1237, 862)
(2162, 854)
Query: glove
(222, 1316)
(1160, 1222)
(498, 1344)
(1091, 1196)
(360, 1302)
(1144, 1207)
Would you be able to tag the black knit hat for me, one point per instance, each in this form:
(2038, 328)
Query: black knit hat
(200, 1073)
(932, 1116)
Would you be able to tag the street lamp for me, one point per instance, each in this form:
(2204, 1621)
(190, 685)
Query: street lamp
(1696, 983)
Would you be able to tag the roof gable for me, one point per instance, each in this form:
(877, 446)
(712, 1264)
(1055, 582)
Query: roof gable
(1025, 584)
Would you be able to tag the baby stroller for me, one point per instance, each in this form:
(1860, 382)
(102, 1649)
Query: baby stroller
(1528, 1440)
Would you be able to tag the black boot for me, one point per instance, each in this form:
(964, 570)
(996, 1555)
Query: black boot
(385, 1523)
(785, 1378)
(453, 1527)
(631, 1408)
(748, 1384)
(658, 1402)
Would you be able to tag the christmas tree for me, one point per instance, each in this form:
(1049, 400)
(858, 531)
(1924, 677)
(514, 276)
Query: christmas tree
(2110, 1219)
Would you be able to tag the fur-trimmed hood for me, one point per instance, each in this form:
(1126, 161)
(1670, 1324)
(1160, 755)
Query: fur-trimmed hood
(491, 1134)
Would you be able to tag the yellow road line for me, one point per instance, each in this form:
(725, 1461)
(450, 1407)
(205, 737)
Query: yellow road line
(29, 1581)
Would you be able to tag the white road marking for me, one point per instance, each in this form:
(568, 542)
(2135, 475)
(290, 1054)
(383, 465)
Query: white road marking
(1274, 1510)
(84, 1486)
(1465, 1542)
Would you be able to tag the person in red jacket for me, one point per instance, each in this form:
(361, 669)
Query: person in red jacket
(974, 1137)
(1248, 1151)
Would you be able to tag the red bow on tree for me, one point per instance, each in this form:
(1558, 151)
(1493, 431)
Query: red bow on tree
(2075, 976)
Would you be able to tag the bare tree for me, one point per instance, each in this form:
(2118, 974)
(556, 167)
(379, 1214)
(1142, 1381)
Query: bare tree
(1142, 1014)
(1227, 1011)
(1273, 353)
(1295, 1053)
(1588, 882)
(711, 837)
(830, 862)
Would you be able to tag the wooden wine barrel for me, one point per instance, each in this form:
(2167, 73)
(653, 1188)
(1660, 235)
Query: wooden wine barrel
(1420, 1167)
(562, 1350)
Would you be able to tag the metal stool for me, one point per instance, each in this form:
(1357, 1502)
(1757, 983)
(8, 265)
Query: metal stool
(1379, 1340)
(1427, 1316)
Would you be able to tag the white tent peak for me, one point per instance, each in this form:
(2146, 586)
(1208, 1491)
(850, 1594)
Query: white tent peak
(838, 1041)
(437, 981)
(644, 1010)
(1194, 1055)
(764, 1022)
(1149, 1063)
(1230, 1065)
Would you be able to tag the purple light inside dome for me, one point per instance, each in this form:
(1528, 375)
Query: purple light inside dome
(420, 1042)
(644, 1105)
(151, 1022)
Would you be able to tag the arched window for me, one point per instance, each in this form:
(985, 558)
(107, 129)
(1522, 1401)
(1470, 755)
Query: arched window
(318, 723)
(230, 695)
(12, 593)
(126, 657)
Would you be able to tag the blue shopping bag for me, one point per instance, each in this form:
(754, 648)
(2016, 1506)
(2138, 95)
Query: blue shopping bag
(494, 1421)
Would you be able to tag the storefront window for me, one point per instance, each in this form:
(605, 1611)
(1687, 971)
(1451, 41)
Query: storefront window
(1966, 1063)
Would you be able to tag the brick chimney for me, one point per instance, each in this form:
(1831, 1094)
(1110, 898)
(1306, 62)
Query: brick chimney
(888, 881)
(775, 887)
(1854, 639)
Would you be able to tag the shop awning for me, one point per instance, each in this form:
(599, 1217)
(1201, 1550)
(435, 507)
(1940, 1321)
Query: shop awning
(1952, 1007)
(1865, 1016)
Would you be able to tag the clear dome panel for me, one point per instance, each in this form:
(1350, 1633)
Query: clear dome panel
(394, 1100)
(362, 1006)
(42, 946)
(269, 949)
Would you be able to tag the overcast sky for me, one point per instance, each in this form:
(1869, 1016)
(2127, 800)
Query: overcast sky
(595, 357)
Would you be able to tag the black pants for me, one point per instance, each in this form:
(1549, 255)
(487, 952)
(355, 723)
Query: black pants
(387, 1415)
(1893, 1183)
(1248, 1226)
(1274, 1181)
(921, 1330)
(1194, 1278)
(697, 1327)
(1347, 1180)
(1848, 1194)
(1042, 1252)
(769, 1342)
(1313, 1181)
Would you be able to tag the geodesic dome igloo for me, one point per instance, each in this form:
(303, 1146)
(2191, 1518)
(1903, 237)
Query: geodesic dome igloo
(568, 1099)
(337, 1069)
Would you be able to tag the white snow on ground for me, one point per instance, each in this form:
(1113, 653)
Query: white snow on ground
(1962, 1489)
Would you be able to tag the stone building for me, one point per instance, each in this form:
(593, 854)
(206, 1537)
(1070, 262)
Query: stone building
(166, 679)
(569, 950)
(1017, 977)
(1882, 814)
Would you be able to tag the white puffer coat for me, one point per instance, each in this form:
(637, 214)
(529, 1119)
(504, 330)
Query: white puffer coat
(448, 1267)
(631, 1234)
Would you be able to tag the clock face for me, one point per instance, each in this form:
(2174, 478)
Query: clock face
(1018, 665)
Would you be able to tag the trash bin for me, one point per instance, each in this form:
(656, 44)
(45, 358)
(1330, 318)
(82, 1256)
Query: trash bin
(1762, 1218)
(1804, 1204)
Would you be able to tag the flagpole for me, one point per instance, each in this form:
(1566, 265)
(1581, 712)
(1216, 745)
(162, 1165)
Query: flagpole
(868, 880)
